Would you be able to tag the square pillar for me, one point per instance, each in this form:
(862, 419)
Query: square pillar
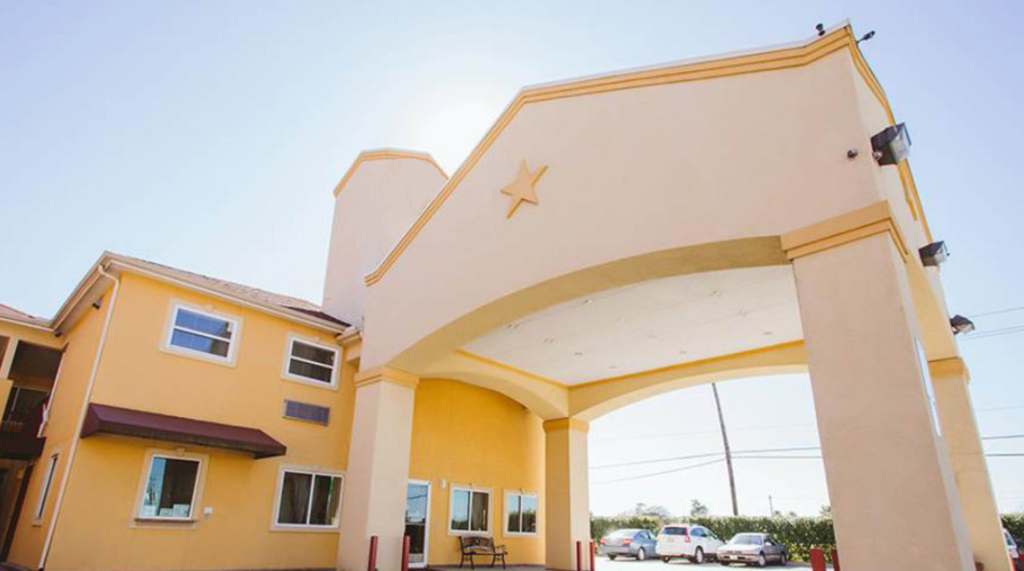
(967, 459)
(567, 493)
(894, 503)
(378, 469)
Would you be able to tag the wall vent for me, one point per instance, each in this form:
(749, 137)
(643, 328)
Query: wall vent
(308, 412)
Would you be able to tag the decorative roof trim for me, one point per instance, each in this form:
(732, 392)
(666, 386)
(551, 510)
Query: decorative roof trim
(384, 155)
(777, 58)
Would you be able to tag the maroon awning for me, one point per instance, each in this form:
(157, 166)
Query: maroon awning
(104, 419)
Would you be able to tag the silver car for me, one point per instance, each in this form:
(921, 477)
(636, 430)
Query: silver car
(753, 549)
(638, 543)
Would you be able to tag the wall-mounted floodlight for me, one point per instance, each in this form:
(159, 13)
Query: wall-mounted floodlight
(934, 254)
(891, 145)
(961, 324)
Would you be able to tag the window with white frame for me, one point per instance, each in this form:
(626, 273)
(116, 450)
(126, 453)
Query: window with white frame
(51, 469)
(520, 513)
(202, 334)
(170, 488)
(309, 361)
(469, 511)
(309, 499)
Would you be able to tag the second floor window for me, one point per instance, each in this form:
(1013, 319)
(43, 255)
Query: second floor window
(309, 361)
(202, 334)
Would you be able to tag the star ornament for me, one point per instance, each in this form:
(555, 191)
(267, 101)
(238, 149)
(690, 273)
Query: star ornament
(522, 188)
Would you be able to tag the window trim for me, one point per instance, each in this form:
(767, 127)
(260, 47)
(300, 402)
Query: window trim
(305, 527)
(148, 471)
(314, 342)
(451, 503)
(44, 492)
(505, 513)
(236, 336)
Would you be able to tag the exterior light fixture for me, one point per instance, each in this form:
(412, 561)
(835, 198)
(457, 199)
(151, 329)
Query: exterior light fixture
(891, 145)
(934, 254)
(961, 324)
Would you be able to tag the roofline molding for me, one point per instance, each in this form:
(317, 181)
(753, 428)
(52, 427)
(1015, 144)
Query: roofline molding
(792, 55)
(112, 261)
(384, 154)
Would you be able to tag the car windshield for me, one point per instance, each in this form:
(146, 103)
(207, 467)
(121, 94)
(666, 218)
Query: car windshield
(747, 539)
(1009, 539)
(674, 531)
(623, 533)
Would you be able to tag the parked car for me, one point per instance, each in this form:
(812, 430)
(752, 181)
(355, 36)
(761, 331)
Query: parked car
(693, 542)
(1011, 548)
(753, 549)
(638, 543)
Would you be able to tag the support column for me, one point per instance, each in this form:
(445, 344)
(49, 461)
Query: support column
(567, 493)
(894, 503)
(967, 458)
(378, 469)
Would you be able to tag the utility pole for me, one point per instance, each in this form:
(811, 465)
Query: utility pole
(728, 453)
(771, 507)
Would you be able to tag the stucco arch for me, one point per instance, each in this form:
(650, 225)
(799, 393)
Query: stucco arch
(593, 400)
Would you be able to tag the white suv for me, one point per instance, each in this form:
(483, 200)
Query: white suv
(693, 542)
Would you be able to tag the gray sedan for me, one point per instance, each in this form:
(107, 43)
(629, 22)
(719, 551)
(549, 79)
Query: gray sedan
(753, 549)
(638, 543)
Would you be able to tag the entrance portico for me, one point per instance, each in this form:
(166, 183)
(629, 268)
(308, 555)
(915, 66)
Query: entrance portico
(688, 223)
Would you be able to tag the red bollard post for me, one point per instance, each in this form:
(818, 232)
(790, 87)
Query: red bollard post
(372, 564)
(579, 556)
(405, 553)
(593, 554)
(817, 559)
(835, 559)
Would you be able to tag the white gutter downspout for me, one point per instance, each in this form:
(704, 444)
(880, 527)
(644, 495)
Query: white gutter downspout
(77, 435)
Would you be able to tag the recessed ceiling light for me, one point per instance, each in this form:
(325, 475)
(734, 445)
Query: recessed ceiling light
(549, 341)
(613, 366)
(682, 352)
(588, 301)
(578, 353)
(512, 325)
(742, 313)
(768, 334)
(715, 293)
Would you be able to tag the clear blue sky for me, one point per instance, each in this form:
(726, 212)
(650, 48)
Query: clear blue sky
(209, 136)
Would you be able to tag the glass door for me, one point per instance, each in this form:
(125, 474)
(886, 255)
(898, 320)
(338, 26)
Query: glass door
(417, 516)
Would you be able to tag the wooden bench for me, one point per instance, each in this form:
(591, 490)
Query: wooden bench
(476, 546)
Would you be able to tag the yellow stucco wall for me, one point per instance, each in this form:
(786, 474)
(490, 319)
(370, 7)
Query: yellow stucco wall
(97, 528)
(466, 435)
(65, 406)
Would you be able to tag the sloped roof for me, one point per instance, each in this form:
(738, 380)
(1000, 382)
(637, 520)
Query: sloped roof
(232, 289)
(9, 313)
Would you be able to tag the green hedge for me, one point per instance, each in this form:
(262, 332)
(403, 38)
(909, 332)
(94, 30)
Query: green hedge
(799, 534)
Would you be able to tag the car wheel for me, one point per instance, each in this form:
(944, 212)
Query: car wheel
(612, 557)
(666, 559)
(782, 559)
(698, 557)
(762, 561)
(641, 555)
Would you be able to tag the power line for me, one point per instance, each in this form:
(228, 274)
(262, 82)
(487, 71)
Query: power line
(697, 456)
(997, 311)
(1003, 437)
(995, 333)
(662, 473)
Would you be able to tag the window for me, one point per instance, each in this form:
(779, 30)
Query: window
(170, 488)
(311, 362)
(309, 499)
(470, 511)
(51, 468)
(520, 513)
(203, 335)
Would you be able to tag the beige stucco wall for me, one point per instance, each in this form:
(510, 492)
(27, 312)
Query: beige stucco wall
(630, 172)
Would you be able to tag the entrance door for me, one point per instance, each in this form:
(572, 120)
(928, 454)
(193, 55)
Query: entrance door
(417, 517)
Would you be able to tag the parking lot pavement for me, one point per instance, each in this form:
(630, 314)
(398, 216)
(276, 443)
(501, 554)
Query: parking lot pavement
(620, 564)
